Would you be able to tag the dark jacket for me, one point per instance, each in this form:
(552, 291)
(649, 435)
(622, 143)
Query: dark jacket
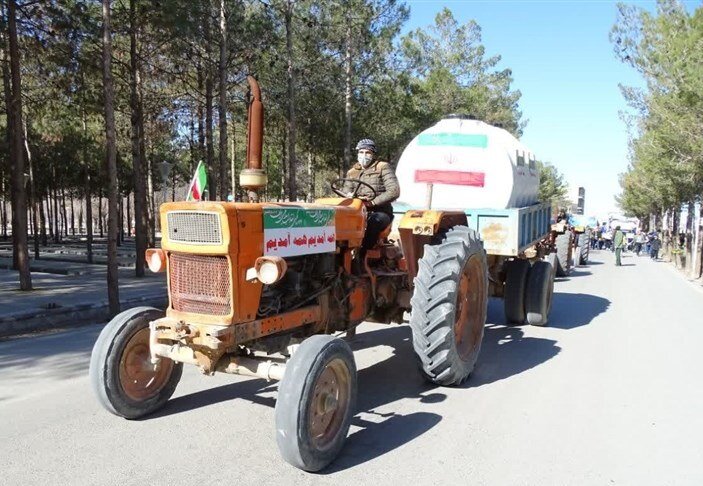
(381, 177)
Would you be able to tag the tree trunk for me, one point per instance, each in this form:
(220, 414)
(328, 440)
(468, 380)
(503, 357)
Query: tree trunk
(3, 207)
(120, 219)
(88, 199)
(42, 223)
(698, 266)
(64, 211)
(232, 162)
(311, 178)
(7, 98)
(100, 211)
(57, 212)
(32, 195)
(348, 71)
(689, 240)
(152, 205)
(223, 103)
(129, 220)
(88, 219)
(209, 140)
(19, 207)
(49, 215)
(109, 94)
(7, 91)
(201, 115)
(141, 213)
(292, 162)
(73, 215)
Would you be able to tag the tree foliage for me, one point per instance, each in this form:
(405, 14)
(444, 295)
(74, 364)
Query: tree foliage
(666, 149)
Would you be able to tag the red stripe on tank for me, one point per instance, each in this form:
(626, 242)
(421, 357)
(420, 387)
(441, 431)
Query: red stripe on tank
(453, 177)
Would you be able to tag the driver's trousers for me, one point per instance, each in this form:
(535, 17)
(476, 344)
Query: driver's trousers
(376, 222)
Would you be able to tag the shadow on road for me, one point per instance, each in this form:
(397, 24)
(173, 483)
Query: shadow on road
(505, 353)
(575, 310)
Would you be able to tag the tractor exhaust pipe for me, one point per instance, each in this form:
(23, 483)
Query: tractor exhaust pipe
(253, 178)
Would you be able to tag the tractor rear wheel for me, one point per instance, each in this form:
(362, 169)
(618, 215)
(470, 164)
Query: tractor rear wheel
(121, 373)
(563, 244)
(449, 306)
(514, 296)
(538, 295)
(316, 401)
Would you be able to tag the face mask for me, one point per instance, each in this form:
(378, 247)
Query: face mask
(364, 159)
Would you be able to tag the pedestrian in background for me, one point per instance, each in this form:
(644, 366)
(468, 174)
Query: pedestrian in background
(654, 244)
(639, 241)
(619, 243)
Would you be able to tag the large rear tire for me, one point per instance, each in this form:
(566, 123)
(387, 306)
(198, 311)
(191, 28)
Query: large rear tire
(449, 306)
(538, 296)
(121, 373)
(316, 401)
(514, 296)
(563, 245)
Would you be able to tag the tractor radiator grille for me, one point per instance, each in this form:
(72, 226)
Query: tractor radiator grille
(200, 284)
(197, 227)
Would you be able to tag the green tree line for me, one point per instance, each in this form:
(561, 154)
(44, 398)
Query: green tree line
(103, 99)
(665, 173)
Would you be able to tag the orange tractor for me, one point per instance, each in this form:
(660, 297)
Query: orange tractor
(260, 289)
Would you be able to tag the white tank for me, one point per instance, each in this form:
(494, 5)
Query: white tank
(470, 164)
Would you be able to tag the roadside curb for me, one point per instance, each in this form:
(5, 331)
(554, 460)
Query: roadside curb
(71, 316)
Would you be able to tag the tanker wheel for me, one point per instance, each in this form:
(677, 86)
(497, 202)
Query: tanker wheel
(316, 401)
(563, 245)
(538, 295)
(449, 307)
(514, 296)
(121, 373)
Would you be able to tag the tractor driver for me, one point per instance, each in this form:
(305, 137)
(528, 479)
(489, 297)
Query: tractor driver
(381, 177)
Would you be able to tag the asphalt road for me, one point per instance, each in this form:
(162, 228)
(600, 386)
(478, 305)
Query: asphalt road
(609, 393)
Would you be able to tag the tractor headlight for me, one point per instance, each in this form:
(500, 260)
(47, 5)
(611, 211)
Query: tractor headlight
(270, 269)
(156, 259)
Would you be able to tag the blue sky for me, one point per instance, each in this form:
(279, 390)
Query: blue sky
(564, 65)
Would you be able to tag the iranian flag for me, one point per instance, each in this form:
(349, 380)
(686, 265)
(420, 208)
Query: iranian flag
(198, 185)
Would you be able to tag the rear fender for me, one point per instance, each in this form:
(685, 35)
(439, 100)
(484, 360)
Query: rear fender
(418, 228)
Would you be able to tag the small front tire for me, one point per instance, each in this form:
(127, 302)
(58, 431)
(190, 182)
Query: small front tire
(316, 402)
(121, 373)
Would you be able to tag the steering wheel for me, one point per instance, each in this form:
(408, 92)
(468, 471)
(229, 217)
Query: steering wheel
(334, 185)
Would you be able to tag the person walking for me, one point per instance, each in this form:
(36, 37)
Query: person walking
(639, 241)
(619, 243)
(654, 245)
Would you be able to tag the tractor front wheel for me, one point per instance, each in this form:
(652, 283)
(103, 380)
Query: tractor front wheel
(449, 306)
(121, 373)
(316, 401)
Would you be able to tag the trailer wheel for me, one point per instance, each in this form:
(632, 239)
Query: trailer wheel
(449, 306)
(514, 297)
(121, 373)
(316, 401)
(538, 296)
(584, 243)
(563, 243)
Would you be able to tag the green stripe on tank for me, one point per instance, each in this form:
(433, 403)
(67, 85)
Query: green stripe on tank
(297, 218)
(453, 139)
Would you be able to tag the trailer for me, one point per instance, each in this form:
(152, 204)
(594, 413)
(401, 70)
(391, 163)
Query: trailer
(465, 164)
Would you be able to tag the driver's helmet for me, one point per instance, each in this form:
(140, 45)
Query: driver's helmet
(366, 144)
